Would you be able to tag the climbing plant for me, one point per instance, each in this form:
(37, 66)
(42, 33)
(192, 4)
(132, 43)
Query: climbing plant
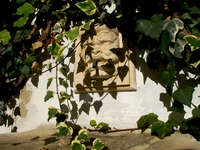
(163, 34)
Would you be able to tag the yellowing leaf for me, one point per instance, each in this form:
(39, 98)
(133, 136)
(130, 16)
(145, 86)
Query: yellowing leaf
(37, 45)
(87, 7)
(193, 41)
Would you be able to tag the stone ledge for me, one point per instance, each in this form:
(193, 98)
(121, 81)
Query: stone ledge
(44, 138)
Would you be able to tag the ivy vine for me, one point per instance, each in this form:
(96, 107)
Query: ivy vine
(32, 31)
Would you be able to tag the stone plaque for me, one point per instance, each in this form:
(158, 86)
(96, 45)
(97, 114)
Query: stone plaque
(102, 62)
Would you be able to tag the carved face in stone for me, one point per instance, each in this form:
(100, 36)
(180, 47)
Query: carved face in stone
(98, 55)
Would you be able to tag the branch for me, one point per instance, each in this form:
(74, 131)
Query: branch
(115, 130)
(62, 59)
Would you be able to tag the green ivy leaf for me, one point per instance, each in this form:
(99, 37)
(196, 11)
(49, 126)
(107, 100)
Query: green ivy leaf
(20, 22)
(193, 41)
(164, 44)
(151, 28)
(196, 112)
(64, 130)
(25, 9)
(82, 136)
(48, 95)
(93, 123)
(25, 70)
(186, 16)
(102, 125)
(159, 129)
(168, 77)
(73, 33)
(54, 48)
(64, 70)
(146, 120)
(5, 37)
(63, 82)
(49, 82)
(76, 145)
(184, 95)
(179, 48)
(98, 144)
(87, 25)
(172, 26)
(52, 112)
(88, 7)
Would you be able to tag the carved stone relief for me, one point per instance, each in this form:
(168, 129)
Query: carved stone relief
(102, 62)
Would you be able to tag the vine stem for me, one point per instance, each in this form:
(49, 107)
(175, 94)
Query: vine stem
(115, 130)
(194, 105)
(69, 54)
(57, 90)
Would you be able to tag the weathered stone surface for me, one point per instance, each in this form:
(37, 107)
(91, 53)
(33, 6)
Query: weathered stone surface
(44, 138)
(102, 62)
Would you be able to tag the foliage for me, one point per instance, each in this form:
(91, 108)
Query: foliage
(33, 31)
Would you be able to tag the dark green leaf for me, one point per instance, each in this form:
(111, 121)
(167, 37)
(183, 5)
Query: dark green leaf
(151, 27)
(196, 112)
(172, 26)
(64, 70)
(193, 41)
(62, 81)
(10, 120)
(159, 129)
(76, 145)
(4, 37)
(64, 130)
(25, 70)
(184, 95)
(17, 111)
(52, 112)
(168, 77)
(179, 48)
(64, 108)
(146, 120)
(186, 16)
(61, 117)
(48, 95)
(49, 82)
(98, 144)
(83, 137)
(165, 40)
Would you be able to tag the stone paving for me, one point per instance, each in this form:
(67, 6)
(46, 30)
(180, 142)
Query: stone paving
(44, 138)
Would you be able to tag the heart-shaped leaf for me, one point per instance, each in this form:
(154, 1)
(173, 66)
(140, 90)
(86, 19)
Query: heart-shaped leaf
(184, 95)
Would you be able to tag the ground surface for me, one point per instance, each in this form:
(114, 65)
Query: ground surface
(44, 138)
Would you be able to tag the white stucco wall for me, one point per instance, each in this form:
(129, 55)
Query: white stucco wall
(120, 113)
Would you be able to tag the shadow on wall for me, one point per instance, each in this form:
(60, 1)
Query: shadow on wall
(152, 68)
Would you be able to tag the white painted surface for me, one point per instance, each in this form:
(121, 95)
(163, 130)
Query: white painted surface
(120, 113)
